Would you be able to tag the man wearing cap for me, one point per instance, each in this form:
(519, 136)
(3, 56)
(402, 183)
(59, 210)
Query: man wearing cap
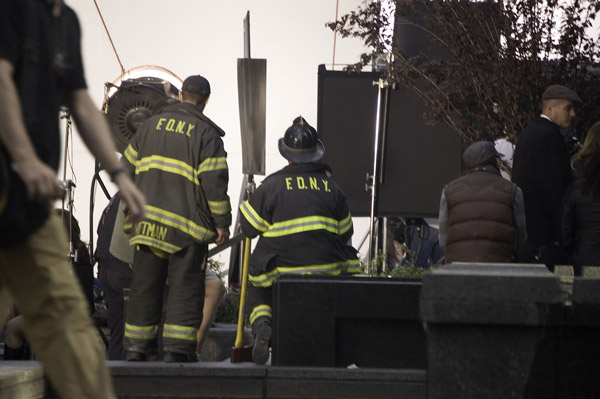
(481, 214)
(305, 226)
(541, 168)
(177, 159)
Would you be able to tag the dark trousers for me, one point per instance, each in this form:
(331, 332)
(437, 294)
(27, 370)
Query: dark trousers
(185, 271)
(114, 280)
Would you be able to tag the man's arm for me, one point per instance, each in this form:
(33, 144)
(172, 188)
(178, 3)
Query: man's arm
(94, 131)
(214, 179)
(40, 179)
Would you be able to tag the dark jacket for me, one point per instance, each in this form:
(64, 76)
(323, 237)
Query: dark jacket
(305, 223)
(178, 161)
(29, 40)
(541, 168)
(480, 217)
(581, 227)
(579, 166)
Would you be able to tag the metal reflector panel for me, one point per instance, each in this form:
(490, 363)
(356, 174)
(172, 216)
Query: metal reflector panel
(252, 94)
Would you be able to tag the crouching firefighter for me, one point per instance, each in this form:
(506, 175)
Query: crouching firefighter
(177, 159)
(305, 226)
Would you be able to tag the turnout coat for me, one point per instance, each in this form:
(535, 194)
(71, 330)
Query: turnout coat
(178, 161)
(304, 222)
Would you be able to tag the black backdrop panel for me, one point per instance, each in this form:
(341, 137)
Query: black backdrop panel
(419, 159)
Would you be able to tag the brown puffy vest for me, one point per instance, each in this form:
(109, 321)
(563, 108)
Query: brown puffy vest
(480, 217)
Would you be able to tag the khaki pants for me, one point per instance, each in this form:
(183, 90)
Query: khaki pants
(37, 274)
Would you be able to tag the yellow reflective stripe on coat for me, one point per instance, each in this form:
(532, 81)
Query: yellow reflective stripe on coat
(219, 207)
(329, 269)
(252, 216)
(141, 332)
(259, 311)
(179, 222)
(212, 164)
(153, 242)
(300, 225)
(171, 165)
(345, 224)
(179, 332)
(130, 154)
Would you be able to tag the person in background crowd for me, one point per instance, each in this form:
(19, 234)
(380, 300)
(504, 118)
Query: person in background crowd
(542, 169)
(40, 71)
(305, 226)
(481, 213)
(591, 146)
(15, 343)
(214, 291)
(580, 229)
(115, 276)
(80, 257)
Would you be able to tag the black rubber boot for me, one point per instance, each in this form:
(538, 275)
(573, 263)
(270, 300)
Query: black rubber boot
(261, 329)
(14, 353)
(174, 357)
(135, 356)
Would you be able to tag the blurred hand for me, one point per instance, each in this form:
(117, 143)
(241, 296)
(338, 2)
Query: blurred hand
(222, 236)
(40, 180)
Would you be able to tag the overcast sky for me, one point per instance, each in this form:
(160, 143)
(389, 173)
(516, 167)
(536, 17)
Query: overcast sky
(206, 37)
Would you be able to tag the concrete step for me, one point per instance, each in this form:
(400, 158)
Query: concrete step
(158, 380)
(246, 380)
(216, 377)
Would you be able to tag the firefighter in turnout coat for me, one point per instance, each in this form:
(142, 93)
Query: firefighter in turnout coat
(305, 227)
(177, 159)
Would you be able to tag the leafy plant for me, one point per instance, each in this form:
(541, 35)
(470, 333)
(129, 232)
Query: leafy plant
(498, 56)
(228, 310)
(407, 269)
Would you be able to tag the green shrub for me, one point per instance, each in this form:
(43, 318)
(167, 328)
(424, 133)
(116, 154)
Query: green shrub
(408, 269)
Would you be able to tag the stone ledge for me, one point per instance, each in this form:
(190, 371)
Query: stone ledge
(225, 380)
(21, 379)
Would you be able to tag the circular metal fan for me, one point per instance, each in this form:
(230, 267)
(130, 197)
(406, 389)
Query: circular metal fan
(130, 105)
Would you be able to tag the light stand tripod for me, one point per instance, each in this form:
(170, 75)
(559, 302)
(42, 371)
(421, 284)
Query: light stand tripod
(374, 180)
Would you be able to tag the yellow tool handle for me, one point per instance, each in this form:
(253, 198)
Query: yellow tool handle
(239, 338)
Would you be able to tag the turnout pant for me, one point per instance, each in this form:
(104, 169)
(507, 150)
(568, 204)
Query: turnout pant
(259, 300)
(38, 275)
(184, 271)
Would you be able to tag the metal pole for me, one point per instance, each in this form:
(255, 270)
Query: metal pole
(374, 181)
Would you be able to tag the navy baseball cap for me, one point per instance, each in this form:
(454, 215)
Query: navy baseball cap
(196, 84)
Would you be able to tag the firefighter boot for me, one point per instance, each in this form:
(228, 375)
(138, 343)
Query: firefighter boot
(174, 357)
(261, 330)
(131, 356)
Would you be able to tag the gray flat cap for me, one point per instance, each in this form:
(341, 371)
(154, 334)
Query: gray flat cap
(480, 152)
(560, 92)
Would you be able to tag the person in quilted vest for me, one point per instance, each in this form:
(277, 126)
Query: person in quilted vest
(482, 217)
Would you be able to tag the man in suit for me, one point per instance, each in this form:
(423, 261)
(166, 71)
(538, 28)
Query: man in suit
(541, 168)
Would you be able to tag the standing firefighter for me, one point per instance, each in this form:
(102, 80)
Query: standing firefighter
(178, 160)
(303, 218)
